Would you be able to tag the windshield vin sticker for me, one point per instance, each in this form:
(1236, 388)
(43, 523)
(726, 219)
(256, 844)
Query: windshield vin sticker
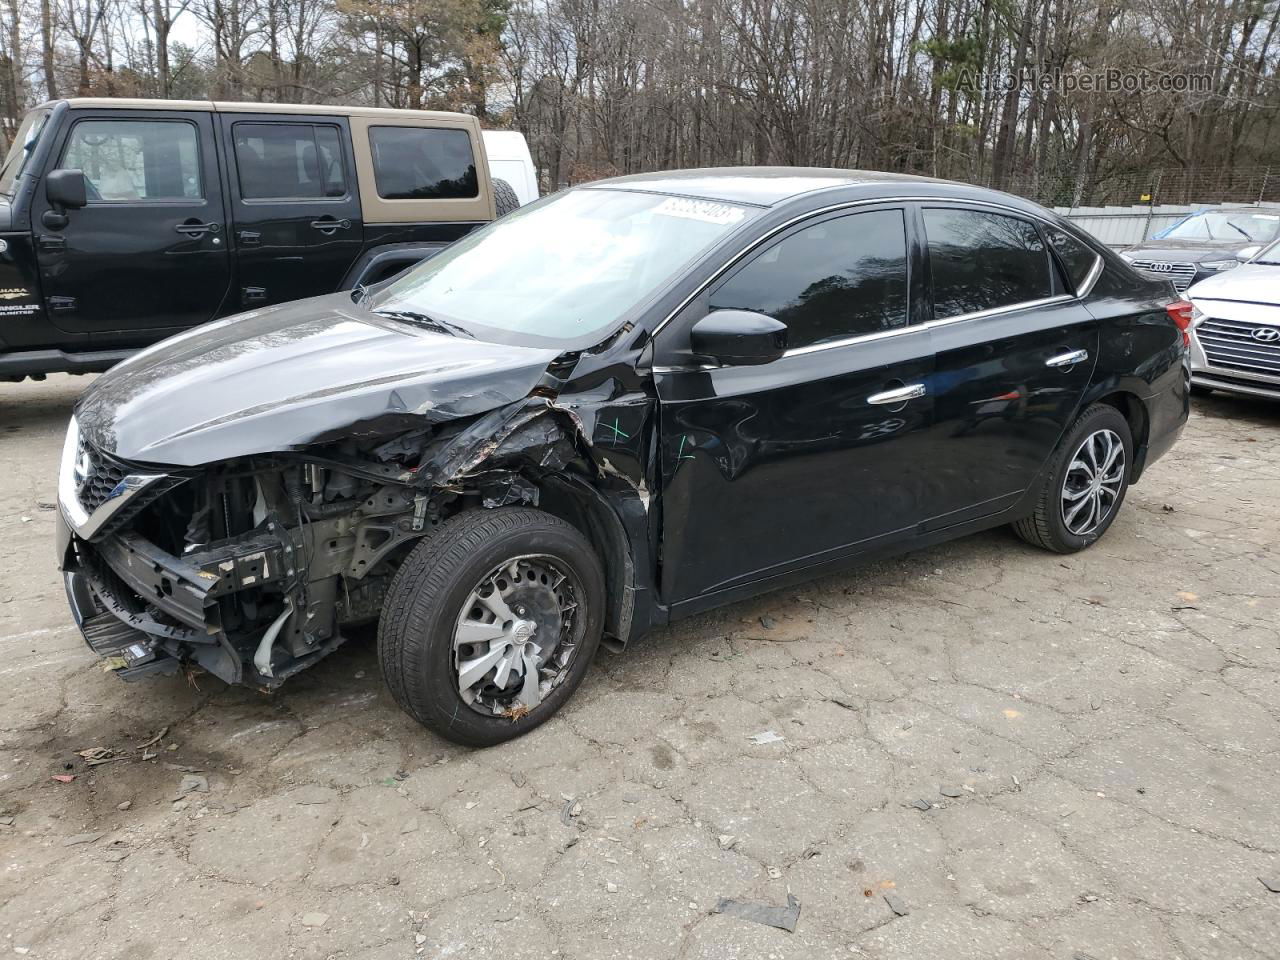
(705, 210)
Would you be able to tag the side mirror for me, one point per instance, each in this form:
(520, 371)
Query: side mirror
(66, 189)
(739, 337)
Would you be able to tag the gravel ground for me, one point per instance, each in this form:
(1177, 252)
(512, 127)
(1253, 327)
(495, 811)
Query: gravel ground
(987, 751)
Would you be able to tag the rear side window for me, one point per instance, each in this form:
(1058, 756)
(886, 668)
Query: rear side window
(840, 278)
(131, 160)
(1077, 258)
(423, 163)
(981, 261)
(289, 161)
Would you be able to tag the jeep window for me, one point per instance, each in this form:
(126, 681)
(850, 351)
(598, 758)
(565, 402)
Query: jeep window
(24, 142)
(289, 161)
(565, 269)
(839, 278)
(423, 163)
(130, 160)
(981, 261)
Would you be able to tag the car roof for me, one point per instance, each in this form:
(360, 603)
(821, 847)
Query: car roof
(771, 186)
(220, 106)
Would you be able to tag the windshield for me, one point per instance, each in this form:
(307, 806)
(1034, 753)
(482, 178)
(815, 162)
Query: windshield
(1242, 225)
(24, 141)
(565, 269)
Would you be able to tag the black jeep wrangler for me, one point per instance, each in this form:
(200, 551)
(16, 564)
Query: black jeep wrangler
(125, 221)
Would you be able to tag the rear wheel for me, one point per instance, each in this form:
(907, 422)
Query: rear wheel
(491, 623)
(1084, 485)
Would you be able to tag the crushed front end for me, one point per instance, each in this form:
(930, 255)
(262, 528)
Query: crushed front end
(255, 568)
(250, 569)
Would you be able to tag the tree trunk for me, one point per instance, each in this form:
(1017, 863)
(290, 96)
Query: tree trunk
(46, 48)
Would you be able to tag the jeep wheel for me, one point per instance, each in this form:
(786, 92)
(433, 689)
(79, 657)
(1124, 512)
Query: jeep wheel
(504, 197)
(491, 623)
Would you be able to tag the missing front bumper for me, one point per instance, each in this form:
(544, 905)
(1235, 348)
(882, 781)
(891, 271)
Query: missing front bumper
(146, 611)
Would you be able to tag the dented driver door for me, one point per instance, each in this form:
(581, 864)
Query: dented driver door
(817, 456)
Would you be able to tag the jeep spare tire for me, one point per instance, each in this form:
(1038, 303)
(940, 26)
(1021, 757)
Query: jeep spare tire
(504, 197)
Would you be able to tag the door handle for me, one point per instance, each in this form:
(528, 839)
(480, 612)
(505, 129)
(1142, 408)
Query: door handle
(912, 391)
(195, 230)
(249, 238)
(331, 226)
(1064, 361)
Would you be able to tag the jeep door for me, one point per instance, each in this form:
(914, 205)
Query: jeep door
(816, 456)
(295, 205)
(148, 254)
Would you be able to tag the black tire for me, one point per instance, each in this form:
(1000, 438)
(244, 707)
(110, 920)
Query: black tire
(1047, 527)
(504, 197)
(425, 599)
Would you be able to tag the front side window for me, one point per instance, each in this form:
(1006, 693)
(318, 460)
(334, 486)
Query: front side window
(423, 163)
(981, 261)
(289, 161)
(836, 279)
(134, 160)
(564, 269)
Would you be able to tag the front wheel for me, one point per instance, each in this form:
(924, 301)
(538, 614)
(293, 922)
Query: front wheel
(491, 623)
(1084, 485)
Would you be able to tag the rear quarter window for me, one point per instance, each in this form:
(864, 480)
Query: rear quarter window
(423, 163)
(1077, 258)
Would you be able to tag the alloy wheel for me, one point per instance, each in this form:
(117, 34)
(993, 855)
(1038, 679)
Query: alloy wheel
(1094, 481)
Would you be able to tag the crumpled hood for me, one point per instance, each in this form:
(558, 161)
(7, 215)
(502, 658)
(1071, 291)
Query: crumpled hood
(283, 377)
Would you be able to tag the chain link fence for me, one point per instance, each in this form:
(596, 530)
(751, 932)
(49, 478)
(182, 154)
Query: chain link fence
(1160, 185)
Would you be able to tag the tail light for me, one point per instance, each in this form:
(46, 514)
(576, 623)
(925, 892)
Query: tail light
(1183, 312)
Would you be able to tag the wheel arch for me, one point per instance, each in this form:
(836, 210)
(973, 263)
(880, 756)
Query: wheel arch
(1135, 413)
(579, 504)
(536, 453)
(383, 262)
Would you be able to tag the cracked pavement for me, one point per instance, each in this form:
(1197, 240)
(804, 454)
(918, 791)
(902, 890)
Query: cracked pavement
(1035, 756)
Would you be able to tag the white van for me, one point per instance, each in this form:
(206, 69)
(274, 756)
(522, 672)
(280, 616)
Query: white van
(509, 160)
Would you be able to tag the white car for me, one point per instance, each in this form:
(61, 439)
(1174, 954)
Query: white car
(1235, 335)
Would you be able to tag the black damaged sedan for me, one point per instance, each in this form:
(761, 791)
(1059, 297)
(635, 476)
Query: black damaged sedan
(627, 403)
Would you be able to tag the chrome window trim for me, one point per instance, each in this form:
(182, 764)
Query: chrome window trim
(1090, 280)
(932, 324)
(1091, 277)
(883, 334)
